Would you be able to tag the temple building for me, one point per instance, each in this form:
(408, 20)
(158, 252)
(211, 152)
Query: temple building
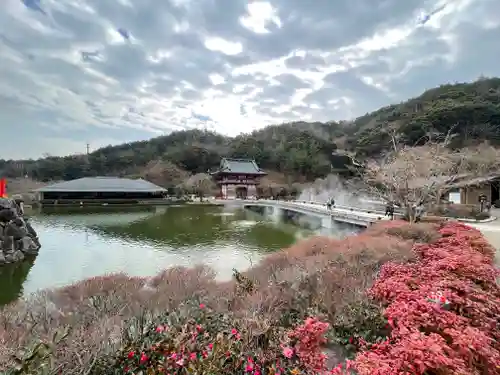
(99, 190)
(238, 178)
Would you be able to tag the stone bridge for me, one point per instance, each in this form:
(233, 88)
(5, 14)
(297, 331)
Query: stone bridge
(350, 215)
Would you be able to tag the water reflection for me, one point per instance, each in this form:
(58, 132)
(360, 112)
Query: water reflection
(82, 243)
(12, 278)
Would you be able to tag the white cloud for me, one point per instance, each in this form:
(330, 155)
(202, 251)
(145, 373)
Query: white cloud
(116, 71)
(259, 15)
(224, 46)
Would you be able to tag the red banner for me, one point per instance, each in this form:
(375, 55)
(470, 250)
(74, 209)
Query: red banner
(3, 188)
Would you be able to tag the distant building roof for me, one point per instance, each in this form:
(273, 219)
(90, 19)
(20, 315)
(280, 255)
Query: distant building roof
(103, 184)
(243, 166)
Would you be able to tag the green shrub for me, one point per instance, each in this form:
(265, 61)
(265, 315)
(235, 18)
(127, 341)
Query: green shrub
(361, 322)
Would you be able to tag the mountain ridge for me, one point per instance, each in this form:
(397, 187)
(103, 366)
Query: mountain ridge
(297, 150)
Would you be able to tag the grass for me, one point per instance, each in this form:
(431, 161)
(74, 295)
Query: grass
(316, 277)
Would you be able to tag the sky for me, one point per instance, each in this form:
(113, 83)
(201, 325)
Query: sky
(104, 72)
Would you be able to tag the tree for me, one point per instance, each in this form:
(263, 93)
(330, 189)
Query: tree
(164, 173)
(412, 176)
(201, 184)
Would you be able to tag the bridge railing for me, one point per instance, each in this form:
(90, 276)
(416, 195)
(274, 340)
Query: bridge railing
(373, 211)
(351, 216)
(347, 208)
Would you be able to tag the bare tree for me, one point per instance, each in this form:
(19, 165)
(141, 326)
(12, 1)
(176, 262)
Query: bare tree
(164, 173)
(413, 176)
(201, 184)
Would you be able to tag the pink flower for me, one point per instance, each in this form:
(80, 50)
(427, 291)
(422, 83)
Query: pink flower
(144, 357)
(348, 364)
(180, 362)
(160, 329)
(173, 356)
(192, 356)
(199, 328)
(249, 368)
(210, 346)
(131, 355)
(256, 372)
(234, 331)
(337, 370)
(202, 305)
(288, 352)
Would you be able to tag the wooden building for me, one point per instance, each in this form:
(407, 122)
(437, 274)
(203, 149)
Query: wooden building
(470, 190)
(237, 178)
(100, 190)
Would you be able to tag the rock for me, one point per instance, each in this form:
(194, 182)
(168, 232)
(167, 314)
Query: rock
(16, 229)
(17, 236)
(18, 256)
(7, 214)
(5, 203)
(28, 246)
(30, 229)
(8, 245)
(37, 243)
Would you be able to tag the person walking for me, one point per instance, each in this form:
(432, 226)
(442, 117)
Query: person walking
(419, 211)
(332, 203)
(389, 210)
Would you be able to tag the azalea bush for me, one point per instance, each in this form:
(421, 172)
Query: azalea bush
(443, 311)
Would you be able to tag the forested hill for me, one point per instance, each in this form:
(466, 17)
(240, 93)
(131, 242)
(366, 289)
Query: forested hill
(299, 149)
(473, 109)
(293, 152)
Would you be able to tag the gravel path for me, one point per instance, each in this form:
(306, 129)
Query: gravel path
(491, 231)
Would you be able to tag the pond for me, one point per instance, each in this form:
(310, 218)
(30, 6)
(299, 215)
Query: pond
(78, 244)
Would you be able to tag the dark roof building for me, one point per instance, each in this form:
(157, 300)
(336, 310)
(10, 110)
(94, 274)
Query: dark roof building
(109, 190)
(239, 166)
(103, 184)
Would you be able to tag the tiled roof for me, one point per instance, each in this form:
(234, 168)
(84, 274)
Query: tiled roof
(103, 184)
(247, 166)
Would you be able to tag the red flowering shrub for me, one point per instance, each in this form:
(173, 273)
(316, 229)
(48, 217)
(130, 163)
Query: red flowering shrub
(308, 339)
(444, 310)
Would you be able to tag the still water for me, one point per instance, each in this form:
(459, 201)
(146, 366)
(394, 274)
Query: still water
(79, 244)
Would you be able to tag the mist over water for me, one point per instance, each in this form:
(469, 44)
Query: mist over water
(333, 187)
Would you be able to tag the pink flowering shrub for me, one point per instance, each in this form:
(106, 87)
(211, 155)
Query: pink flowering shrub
(444, 310)
(196, 339)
